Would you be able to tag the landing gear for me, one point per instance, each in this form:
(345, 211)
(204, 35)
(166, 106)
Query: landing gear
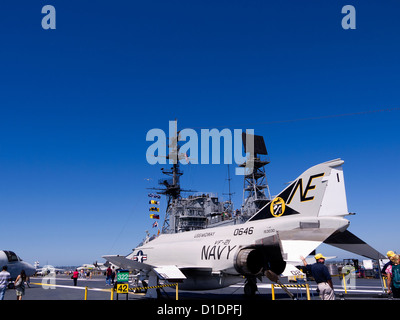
(250, 287)
(152, 292)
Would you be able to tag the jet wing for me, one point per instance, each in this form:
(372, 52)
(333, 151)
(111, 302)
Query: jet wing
(349, 242)
(169, 273)
(163, 272)
(125, 263)
(293, 249)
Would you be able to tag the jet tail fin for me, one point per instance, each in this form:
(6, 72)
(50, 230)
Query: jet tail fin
(319, 191)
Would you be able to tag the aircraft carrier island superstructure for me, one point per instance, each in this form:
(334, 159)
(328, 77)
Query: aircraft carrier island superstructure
(206, 210)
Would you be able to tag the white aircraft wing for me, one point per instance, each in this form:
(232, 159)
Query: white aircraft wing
(293, 249)
(164, 272)
(129, 264)
(169, 273)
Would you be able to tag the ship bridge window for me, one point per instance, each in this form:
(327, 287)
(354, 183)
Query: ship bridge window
(11, 256)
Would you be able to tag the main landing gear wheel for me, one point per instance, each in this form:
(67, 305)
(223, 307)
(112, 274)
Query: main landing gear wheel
(250, 287)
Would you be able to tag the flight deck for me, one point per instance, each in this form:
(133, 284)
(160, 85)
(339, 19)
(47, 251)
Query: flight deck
(62, 288)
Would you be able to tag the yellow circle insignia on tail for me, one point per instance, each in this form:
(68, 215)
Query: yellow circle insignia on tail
(277, 207)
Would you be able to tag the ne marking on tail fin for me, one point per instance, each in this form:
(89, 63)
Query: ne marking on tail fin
(303, 195)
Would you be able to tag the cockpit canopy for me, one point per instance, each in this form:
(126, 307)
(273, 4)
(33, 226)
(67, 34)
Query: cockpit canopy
(11, 256)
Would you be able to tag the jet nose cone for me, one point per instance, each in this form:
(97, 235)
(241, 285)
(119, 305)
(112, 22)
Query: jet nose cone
(29, 270)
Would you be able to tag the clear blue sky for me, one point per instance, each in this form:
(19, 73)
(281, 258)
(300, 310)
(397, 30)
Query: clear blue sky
(76, 104)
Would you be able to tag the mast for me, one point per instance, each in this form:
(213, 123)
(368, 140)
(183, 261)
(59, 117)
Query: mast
(229, 206)
(171, 186)
(255, 183)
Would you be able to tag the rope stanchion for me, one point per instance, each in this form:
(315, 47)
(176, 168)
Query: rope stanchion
(112, 289)
(153, 287)
(156, 287)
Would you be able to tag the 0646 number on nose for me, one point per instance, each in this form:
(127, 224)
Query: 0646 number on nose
(242, 231)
